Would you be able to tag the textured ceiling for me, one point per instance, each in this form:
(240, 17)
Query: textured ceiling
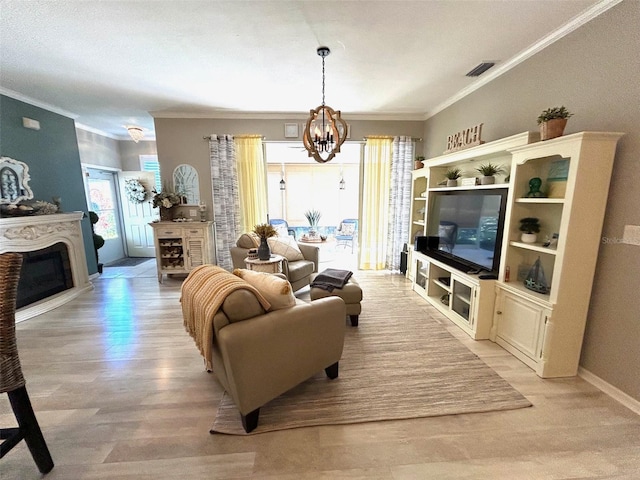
(111, 63)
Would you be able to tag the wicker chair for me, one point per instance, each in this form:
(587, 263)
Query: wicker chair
(11, 379)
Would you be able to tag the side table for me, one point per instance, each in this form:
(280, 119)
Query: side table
(273, 265)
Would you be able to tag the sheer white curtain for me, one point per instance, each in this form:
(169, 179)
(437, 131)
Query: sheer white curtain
(399, 200)
(226, 199)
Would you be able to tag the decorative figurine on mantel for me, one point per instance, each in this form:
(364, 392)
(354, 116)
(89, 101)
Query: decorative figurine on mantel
(534, 188)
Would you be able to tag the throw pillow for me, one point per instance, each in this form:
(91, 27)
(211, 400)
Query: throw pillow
(285, 246)
(282, 230)
(248, 240)
(347, 228)
(276, 290)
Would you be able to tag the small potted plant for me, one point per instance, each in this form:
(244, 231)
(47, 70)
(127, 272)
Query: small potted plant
(488, 171)
(313, 216)
(529, 227)
(264, 231)
(552, 122)
(452, 175)
(418, 163)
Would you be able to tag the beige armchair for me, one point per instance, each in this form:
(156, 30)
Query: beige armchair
(298, 272)
(258, 355)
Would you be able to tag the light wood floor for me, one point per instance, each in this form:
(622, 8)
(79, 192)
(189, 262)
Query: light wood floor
(120, 392)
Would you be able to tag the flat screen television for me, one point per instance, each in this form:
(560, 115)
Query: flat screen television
(468, 227)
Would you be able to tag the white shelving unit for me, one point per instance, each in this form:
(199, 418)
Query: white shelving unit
(545, 330)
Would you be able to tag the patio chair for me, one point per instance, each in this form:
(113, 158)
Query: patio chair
(282, 225)
(347, 233)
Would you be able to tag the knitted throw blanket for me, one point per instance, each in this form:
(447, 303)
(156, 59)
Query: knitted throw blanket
(202, 294)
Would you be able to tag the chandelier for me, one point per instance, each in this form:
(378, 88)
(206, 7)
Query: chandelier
(136, 133)
(325, 131)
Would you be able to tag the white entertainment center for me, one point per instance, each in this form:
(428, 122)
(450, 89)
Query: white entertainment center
(544, 330)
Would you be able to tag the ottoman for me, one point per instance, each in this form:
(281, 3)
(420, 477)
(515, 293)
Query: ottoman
(351, 293)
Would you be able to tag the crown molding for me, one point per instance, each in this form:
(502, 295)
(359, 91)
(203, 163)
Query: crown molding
(300, 116)
(578, 21)
(37, 103)
(87, 128)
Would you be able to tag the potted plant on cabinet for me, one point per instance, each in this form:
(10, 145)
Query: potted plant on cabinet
(529, 227)
(552, 122)
(488, 171)
(418, 163)
(452, 175)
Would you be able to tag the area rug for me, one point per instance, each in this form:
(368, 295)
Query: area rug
(399, 363)
(128, 262)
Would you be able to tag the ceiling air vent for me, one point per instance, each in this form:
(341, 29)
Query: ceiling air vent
(480, 69)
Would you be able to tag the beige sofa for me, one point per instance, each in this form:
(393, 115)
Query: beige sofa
(259, 355)
(298, 272)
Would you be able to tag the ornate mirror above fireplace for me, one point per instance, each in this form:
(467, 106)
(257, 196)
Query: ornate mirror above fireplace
(185, 182)
(14, 181)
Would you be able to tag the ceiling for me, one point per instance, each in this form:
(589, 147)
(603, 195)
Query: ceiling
(113, 63)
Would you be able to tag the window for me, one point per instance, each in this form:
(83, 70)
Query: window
(311, 185)
(149, 163)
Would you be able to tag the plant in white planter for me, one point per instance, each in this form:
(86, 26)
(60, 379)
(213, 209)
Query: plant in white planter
(529, 227)
(452, 175)
(488, 171)
(313, 217)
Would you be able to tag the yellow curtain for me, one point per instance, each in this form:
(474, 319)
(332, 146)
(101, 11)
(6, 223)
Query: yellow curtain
(374, 220)
(252, 181)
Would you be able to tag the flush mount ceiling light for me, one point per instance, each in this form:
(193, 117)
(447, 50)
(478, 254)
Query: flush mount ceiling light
(136, 133)
(325, 131)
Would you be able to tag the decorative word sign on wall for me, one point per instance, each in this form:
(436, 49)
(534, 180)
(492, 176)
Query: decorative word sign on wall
(469, 137)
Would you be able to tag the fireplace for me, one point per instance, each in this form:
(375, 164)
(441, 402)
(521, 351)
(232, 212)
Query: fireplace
(54, 266)
(44, 273)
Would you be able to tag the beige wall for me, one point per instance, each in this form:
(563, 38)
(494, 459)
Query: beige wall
(595, 73)
(180, 140)
(130, 152)
(98, 150)
(101, 151)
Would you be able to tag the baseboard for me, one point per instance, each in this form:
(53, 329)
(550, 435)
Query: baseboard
(615, 393)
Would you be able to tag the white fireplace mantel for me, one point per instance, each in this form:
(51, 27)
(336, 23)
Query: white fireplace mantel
(27, 234)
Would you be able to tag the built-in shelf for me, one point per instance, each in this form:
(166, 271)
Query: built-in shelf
(470, 187)
(540, 200)
(442, 285)
(536, 247)
(464, 299)
(542, 298)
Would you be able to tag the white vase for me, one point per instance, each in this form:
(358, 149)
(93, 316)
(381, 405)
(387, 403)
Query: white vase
(487, 180)
(452, 183)
(528, 238)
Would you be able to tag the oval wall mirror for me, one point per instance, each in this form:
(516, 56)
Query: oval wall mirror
(186, 183)
(14, 181)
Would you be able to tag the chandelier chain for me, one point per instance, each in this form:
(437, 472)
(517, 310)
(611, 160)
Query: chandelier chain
(323, 81)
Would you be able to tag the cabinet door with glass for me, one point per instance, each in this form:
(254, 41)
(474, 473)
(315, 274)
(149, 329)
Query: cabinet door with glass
(421, 274)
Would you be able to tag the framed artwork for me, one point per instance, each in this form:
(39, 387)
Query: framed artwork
(290, 130)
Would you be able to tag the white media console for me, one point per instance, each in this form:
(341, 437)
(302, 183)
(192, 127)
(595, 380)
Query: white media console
(544, 330)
